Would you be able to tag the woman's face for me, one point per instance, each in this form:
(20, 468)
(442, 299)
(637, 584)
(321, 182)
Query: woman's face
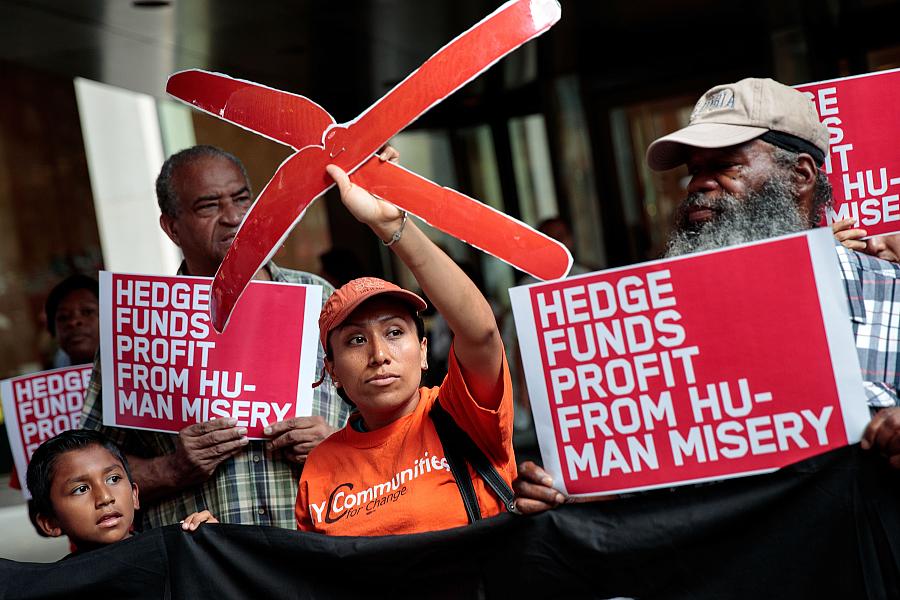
(378, 359)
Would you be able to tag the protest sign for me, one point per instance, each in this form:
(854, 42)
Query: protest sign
(708, 366)
(863, 164)
(305, 126)
(37, 407)
(164, 367)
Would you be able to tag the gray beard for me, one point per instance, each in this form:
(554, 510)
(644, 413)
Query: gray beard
(768, 212)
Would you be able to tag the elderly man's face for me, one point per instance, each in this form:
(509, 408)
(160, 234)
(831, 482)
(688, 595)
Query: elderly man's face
(213, 198)
(736, 194)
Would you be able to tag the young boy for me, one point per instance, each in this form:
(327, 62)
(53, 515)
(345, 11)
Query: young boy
(82, 487)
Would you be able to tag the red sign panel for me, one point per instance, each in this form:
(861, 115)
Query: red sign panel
(703, 367)
(863, 164)
(39, 406)
(319, 141)
(164, 367)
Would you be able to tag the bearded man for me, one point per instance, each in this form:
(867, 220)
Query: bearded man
(754, 151)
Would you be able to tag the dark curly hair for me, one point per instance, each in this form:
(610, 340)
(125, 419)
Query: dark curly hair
(63, 289)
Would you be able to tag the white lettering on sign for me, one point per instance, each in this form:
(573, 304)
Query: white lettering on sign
(163, 349)
(619, 363)
(869, 196)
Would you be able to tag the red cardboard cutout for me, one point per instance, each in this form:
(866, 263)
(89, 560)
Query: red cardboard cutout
(304, 125)
(39, 406)
(708, 366)
(164, 367)
(863, 164)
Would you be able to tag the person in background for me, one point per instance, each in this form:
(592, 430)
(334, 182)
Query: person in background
(73, 318)
(340, 265)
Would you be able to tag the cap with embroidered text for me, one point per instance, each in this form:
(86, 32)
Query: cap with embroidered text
(735, 113)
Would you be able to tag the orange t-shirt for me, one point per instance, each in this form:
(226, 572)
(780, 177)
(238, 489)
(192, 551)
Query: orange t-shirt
(395, 479)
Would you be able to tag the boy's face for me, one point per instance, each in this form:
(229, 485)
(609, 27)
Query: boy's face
(93, 501)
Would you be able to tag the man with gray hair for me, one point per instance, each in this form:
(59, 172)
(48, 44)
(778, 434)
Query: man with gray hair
(204, 194)
(753, 150)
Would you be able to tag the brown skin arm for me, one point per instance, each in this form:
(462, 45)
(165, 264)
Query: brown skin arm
(477, 343)
(200, 449)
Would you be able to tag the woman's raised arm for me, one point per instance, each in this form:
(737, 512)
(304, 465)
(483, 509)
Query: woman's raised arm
(476, 338)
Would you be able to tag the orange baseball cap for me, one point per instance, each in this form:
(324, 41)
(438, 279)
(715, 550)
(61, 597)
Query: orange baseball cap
(350, 295)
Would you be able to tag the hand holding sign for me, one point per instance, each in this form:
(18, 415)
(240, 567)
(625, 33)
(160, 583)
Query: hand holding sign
(383, 217)
(297, 437)
(883, 434)
(850, 236)
(534, 490)
(202, 447)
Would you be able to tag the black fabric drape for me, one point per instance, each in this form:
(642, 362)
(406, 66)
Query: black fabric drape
(825, 528)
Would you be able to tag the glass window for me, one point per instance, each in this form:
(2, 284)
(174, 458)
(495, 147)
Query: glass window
(428, 153)
(533, 169)
(480, 159)
(649, 198)
(577, 183)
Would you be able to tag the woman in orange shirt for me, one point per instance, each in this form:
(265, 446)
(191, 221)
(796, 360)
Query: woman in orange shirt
(386, 471)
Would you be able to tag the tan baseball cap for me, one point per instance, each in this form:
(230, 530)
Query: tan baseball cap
(735, 113)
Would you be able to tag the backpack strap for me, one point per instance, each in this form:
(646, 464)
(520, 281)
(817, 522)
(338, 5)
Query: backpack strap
(461, 450)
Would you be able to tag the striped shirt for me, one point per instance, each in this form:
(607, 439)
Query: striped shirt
(255, 487)
(873, 291)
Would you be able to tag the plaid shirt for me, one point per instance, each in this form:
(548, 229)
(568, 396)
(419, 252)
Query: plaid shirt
(254, 487)
(873, 289)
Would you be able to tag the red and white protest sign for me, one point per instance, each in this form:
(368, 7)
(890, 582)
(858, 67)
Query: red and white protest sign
(164, 367)
(863, 164)
(708, 366)
(39, 406)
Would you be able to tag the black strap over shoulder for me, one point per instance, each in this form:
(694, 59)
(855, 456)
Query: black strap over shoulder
(459, 450)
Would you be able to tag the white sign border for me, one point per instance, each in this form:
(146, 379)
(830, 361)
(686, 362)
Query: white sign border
(311, 310)
(11, 421)
(832, 298)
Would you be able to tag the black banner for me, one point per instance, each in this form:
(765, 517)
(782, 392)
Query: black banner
(825, 528)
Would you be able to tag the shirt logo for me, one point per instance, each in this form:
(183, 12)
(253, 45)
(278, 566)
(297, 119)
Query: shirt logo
(343, 501)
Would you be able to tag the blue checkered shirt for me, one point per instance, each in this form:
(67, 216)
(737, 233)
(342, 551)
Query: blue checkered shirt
(873, 290)
(254, 487)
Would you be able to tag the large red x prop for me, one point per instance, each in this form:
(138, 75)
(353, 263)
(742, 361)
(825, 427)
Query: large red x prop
(319, 141)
